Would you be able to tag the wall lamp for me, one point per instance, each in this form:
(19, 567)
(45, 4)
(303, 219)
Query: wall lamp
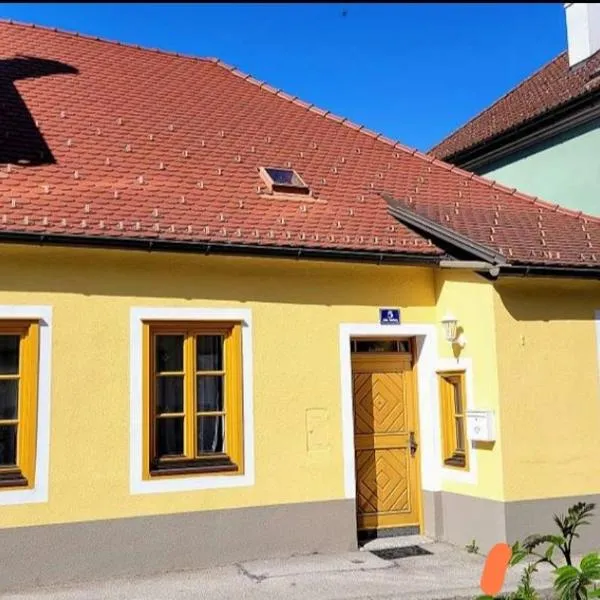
(450, 325)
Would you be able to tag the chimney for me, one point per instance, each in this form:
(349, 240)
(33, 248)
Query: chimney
(583, 30)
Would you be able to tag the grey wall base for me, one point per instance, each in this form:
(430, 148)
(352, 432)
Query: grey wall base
(58, 554)
(66, 553)
(461, 519)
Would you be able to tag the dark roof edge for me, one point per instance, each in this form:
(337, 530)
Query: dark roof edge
(455, 240)
(550, 271)
(220, 248)
(292, 252)
(558, 119)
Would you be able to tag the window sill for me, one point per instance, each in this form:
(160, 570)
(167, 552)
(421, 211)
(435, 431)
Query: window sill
(458, 461)
(12, 479)
(193, 467)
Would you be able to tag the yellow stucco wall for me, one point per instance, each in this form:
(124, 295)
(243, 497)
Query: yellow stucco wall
(470, 298)
(533, 351)
(295, 305)
(549, 387)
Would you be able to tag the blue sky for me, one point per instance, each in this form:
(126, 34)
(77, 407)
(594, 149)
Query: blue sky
(414, 72)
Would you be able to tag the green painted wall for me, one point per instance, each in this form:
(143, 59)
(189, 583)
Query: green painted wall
(564, 169)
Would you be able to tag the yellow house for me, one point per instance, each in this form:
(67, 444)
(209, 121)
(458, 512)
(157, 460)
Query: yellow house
(234, 326)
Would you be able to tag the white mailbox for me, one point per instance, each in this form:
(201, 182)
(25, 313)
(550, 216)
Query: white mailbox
(480, 425)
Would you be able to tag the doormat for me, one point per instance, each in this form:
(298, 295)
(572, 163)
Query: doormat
(402, 552)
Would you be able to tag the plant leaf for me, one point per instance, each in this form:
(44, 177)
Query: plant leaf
(570, 583)
(526, 591)
(517, 557)
(590, 566)
(560, 523)
(531, 542)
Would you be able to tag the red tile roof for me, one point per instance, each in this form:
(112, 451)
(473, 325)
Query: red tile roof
(554, 85)
(125, 142)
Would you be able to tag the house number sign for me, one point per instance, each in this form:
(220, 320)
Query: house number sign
(389, 316)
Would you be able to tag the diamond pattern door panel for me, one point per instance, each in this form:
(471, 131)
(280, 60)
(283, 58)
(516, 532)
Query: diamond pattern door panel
(384, 416)
(379, 404)
(383, 483)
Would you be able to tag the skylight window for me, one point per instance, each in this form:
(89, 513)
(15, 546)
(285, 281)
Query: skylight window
(283, 180)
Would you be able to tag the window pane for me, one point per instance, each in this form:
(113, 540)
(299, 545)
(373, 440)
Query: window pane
(210, 435)
(169, 436)
(209, 393)
(8, 445)
(9, 354)
(283, 176)
(380, 346)
(460, 434)
(209, 353)
(458, 401)
(169, 394)
(169, 353)
(9, 394)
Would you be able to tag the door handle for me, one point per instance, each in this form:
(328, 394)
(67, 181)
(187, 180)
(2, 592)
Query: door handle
(412, 443)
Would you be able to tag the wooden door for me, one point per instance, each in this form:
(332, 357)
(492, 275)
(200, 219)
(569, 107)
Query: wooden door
(385, 439)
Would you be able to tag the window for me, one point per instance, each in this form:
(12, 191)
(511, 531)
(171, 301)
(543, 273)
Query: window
(19, 347)
(193, 398)
(283, 180)
(378, 345)
(452, 400)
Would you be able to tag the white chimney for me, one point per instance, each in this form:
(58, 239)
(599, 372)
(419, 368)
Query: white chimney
(583, 30)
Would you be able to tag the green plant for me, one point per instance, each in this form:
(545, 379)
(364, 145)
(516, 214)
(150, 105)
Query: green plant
(472, 548)
(568, 526)
(579, 584)
(570, 583)
(525, 590)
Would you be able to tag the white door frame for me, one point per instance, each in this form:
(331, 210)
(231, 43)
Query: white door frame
(426, 356)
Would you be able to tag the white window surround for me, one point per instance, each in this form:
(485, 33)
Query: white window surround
(203, 482)
(466, 365)
(429, 433)
(39, 493)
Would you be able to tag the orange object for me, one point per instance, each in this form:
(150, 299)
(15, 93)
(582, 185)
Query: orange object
(494, 570)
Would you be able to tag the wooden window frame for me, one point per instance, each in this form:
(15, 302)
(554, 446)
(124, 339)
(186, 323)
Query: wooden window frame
(451, 455)
(231, 461)
(22, 475)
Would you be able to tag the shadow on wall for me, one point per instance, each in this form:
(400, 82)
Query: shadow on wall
(21, 142)
(191, 276)
(558, 303)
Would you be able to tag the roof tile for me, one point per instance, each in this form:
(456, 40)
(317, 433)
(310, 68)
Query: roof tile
(552, 86)
(114, 95)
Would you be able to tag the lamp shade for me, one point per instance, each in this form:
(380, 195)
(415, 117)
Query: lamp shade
(449, 323)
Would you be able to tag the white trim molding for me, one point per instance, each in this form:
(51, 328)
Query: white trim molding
(426, 384)
(466, 365)
(38, 493)
(204, 482)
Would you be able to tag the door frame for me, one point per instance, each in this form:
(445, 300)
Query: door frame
(414, 406)
(425, 357)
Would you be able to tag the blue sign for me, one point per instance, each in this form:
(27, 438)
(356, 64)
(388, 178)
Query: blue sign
(389, 316)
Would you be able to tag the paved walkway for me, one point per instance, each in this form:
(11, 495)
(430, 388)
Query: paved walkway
(447, 573)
